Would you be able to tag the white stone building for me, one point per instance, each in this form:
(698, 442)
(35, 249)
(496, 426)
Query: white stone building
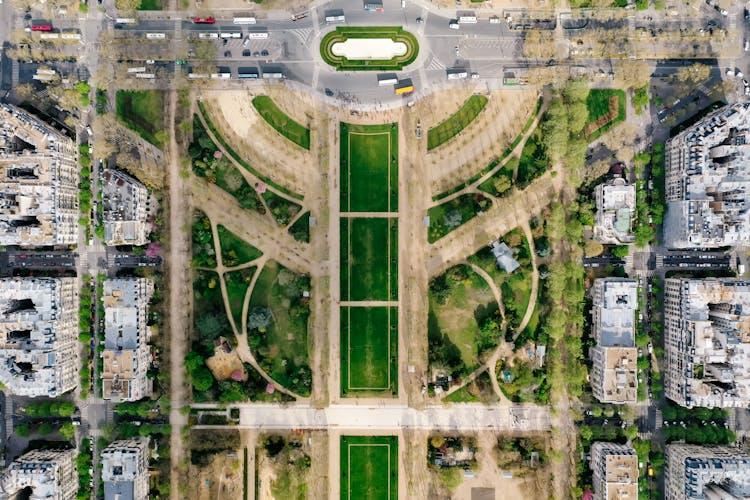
(615, 211)
(39, 335)
(695, 472)
(50, 474)
(125, 470)
(615, 471)
(125, 210)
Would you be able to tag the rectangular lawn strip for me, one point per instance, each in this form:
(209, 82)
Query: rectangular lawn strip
(143, 112)
(240, 160)
(598, 106)
(281, 122)
(369, 467)
(365, 259)
(393, 258)
(368, 173)
(234, 250)
(454, 124)
(369, 347)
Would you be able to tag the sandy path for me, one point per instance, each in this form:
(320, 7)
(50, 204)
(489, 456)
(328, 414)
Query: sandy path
(534, 276)
(179, 298)
(484, 139)
(252, 137)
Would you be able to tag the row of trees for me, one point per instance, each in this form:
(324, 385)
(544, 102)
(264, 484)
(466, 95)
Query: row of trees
(45, 409)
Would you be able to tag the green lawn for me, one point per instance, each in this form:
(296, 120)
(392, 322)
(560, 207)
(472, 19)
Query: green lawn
(533, 161)
(598, 105)
(369, 349)
(454, 124)
(143, 112)
(369, 467)
(234, 250)
(369, 168)
(150, 5)
(447, 216)
(282, 347)
(237, 284)
(281, 122)
(369, 258)
(395, 33)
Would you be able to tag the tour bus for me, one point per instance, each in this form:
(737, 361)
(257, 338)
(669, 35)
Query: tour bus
(156, 36)
(125, 20)
(457, 74)
(204, 20)
(49, 36)
(387, 79)
(41, 26)
(70, 35)
(208, 35)
(257, 34)
(248, 73)
(140, 69)
(273, 75)
(301, 15)
(231, 35)
(244, 19)
(467, 18)
(147, 76)
(404, 87)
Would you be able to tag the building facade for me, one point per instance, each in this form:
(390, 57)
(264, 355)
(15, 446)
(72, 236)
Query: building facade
(125, 470)
(707, 181)
(126, 335)
(38, 182)
(125, 209)
(39, 335)
(50, 474)
(613, 376)
(615, 211)
(615, 471)
(707, 342)
(695, 472)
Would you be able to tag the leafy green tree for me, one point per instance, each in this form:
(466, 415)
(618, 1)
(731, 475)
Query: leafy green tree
(22, 429)
(620, 251)
(45, 429)
(630, 432)
(201, 378)
(67, 430)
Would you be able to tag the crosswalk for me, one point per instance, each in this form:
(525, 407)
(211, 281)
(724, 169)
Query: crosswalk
(434, 64)
(302, 34)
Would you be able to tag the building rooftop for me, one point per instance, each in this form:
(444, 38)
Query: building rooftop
(504, 257)
(125, 209)
(615, 210)
(50, 474)
(708, 328)
(706, 472)
(38, 335)
(615, 469)
(616, 304)
(38, 182)
(125, 470)
(707, 181)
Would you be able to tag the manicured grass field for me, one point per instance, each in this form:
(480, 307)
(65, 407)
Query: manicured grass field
(369, 347)
(454, 124)
(281, 122)
(369, 168)
(369, 253)
(234, 250)
(598, 106)
(369, 467)
(150, 5)
(143, 112)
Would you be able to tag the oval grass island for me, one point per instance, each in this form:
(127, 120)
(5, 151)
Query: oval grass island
(377, 55)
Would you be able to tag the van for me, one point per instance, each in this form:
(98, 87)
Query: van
(454, 25)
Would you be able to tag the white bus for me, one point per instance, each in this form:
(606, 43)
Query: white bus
(457, 74)
(140, 69)
(243, 19)
(387, 79)
(71, 36)
(194, 76)
(222, 76)
(125, 20)
(156, 36)
(208, 35)
(467, 19)
(231, 35)
(148, 76)
(258, 34)
(49, 36)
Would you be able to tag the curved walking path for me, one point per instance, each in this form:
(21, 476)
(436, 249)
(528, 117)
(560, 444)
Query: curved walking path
(534, 278)
(493, 286)
(240, 333)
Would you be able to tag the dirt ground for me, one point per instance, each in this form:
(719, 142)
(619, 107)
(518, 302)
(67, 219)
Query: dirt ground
(485, 138)
(222, 365)
(255, 140)
(221, 478)
(258, 9)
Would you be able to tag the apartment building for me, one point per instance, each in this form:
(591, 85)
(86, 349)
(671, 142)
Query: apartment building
(38, 182)
(49, 474)
(126, 335)
(707, 181)
(125, 470)
(125, 210)
(695, 472)
(39, 335)
(614, 378)
(615, 471)
(615, 211)
(707, 342)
